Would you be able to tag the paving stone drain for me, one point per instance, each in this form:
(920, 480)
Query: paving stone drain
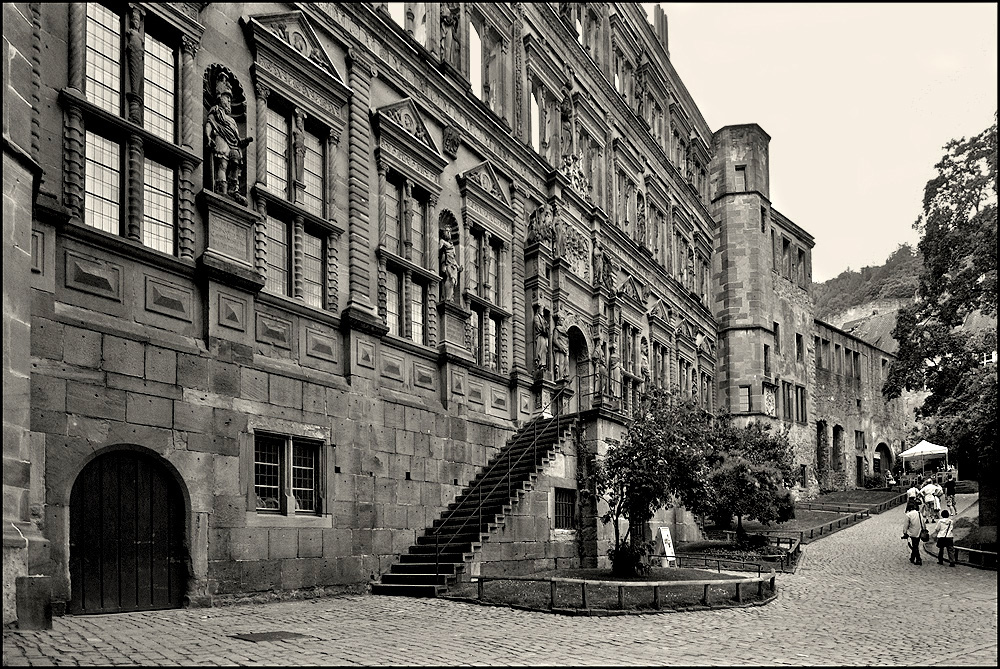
(269, 636)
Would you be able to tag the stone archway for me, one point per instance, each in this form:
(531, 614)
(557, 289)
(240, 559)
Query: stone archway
(882, 461)
(127, 548)
(580, 376)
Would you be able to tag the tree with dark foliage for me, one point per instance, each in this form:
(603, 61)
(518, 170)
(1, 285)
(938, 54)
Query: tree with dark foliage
(959, 278)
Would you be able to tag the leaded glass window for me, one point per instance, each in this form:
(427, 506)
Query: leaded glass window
(158, 229)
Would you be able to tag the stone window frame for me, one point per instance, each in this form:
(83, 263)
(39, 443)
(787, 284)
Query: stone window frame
(560, 518)
(322, 437)
(494, 55)
(800, 347)
(801, 415)
(287, 504)
(744, 392)
(139, 145)
(297, 82)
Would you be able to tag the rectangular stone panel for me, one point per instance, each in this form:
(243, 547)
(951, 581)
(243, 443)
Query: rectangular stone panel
(274, 330)
(423, 376)
(475, 392)
(169, 299)
(90, 275)
(392, 366)
(232, 312)
(320, 345)
(365, 354)
(498, 398)
(458, 382)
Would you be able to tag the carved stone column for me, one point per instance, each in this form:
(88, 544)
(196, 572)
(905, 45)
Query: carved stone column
(73, 142)
(517, 280)
(330, 175)
(382, 237)
(432, 261)
(298, 229)
(261, 93)
(332, 280)
(134, 188)
(189, 132)
(406, 234)
(260, 239)
(359, 223)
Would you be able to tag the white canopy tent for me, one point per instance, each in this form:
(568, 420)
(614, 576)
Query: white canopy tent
(923, 451)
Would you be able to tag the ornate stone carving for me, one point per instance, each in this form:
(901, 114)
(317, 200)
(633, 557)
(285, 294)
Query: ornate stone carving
(540, 225)
(597, 268)
(572, 167)
(560, 347)
(448, 259)
(299, 144)
(540, 328)
(222, 132)
(452, 140)
(640, 208)
(450, 46)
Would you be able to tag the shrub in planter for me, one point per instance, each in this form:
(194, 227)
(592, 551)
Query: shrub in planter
(629, 559)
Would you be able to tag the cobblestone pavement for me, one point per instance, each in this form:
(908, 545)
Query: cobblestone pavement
(852, 601)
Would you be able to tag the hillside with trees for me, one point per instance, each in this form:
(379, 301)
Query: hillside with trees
(896, 279)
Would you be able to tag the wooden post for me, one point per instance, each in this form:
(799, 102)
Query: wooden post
(583, 587)
(481, 583)
(552, 594)
(772, 583)
(656, 597)
(739, 593)
(760, 588)
(704, 598)
(621, 596)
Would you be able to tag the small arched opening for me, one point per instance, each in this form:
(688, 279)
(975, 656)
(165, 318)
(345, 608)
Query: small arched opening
(579, 368)
(127, 526)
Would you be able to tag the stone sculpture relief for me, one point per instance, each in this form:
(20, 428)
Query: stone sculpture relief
(540, 328)
(449, 267)
(560, 347)
(224, 141)
(450, 17)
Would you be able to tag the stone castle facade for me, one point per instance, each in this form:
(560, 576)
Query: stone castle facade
(281, 280)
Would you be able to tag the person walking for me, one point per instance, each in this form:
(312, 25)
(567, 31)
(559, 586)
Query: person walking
(945, 533)
(912, 491)
(949, 494)
(912, 524)
(932, 505)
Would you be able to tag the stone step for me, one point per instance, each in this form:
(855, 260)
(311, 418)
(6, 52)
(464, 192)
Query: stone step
(456, 547)
(406, 590)
(416, 579)
(454, 557)
(446, 568)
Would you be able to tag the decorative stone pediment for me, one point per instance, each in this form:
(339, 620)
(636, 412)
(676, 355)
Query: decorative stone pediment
(485, 201)
(405, 144)
(660, 312)
(632, 289)
(289, 58)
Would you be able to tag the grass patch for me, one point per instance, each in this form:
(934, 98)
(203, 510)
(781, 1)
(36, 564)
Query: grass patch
(803, 520)
(536, 594)
(980, 538)
(870, 497)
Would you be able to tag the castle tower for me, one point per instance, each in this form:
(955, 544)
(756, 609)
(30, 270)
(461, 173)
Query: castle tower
(741, 266)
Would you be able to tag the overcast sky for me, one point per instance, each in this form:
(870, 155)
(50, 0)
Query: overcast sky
(858, 99)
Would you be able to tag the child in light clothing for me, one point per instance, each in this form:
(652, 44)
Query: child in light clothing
(945, 533)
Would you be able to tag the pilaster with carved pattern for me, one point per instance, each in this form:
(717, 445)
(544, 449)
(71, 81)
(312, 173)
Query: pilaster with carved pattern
(406, 308)
(518, 45)
(185, 211)
(134, 188)
(359, 214)
(298, 228)
(77, 45)
(260, 239)
(330, 175)
(36, 78)
(261, 93)
(431, 261)
(517, 277)
(332, 281)
(381, 240)
(406, 234)
(73, 152)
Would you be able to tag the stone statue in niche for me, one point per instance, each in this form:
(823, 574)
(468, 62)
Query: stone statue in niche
(449, 267)
(608, 273)
(134, 49)
(540, 328)
(597, 270)
(559, 239)
(566, 113)
(224, 141)
(450, 17)
(600, 369)
(299, 144)
(614, 371)
(644, 362)
(640, 216)
(540, 225)
(560, 347)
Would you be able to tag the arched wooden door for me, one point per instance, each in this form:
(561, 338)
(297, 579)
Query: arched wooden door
(126, 548)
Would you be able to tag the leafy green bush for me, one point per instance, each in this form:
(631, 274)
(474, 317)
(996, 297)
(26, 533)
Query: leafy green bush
(629, 559)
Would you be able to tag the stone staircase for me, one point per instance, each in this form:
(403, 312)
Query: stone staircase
(439, 556)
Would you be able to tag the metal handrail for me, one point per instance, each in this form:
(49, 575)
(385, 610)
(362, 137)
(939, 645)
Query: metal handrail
(533, 448)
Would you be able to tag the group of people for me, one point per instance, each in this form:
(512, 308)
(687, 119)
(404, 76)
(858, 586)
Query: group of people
(923, 507)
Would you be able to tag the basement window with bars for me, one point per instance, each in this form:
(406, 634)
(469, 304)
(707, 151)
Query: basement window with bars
(287, 475)
(565, 509)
